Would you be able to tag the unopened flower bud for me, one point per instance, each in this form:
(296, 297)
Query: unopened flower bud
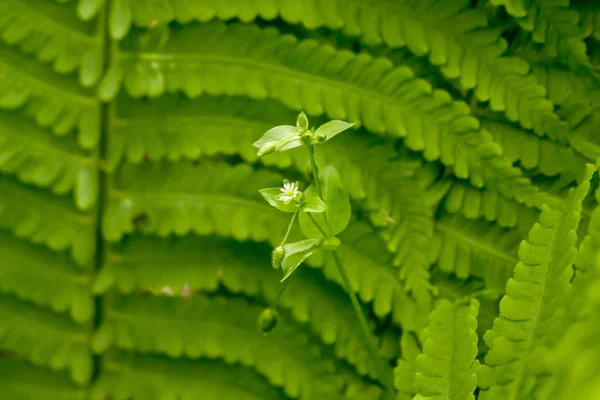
(302, 121)
(306, 138)
(268, 148)
(321, 138)
(277, 257)
(267, 320)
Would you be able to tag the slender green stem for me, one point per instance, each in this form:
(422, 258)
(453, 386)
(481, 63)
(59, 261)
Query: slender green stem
(319, 227)
(283, 287)
(371, 344)
(289, 228)
(315, 170)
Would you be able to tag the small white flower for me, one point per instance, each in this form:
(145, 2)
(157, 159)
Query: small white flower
(289, 192)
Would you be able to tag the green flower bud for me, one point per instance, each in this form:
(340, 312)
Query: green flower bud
(306, 138)
(268, 148)
(302, 121)
(267, 320)
(277, 257)
(320, 138)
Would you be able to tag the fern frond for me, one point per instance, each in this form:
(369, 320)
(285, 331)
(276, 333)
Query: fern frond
(564, 86)
(55, 35)
(45, 338)
(191, 128)
(53, 100)
(405, 371)
(204, 198)
(457, 196)
(130, 375)
(21, 380)
(476, 248)
(584, 119)
(238, 59)
(455, 36)
(220, 328)
(534, 304)
(36, 157)
(64, 287)
(550, 158)
(554, 25)
(409, 233)
(573, 361)
(589, 14)
(204, 263)
(32, 213)
(447, 368)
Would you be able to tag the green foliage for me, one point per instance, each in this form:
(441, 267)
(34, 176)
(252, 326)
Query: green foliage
(533, 306)
(135, 248)
(447, 368)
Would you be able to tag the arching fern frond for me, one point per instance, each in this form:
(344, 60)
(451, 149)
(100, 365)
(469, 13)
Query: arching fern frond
(579, 346)
(564, 86)
(457, 196)
(21, 380)
(476, 248)
(535, 300)
(55, 35)
(584, 119)
(36, 157)
(32, 213)
(454, 35)
(550, 158)
(45, 338)
(220, 328)
(405, 371)
(238, 59)
(554, 25)
(447, 368)
(64, 286)
(191, 128)
(205, 198)
(204, 263)
(409, 232)
(53, 100)
(130, 375)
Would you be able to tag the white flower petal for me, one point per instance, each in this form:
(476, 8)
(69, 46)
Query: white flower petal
(283, 190)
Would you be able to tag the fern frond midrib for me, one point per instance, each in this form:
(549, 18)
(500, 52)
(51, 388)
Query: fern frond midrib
(32, 314)
(67, 32)
(205, 120)
(254, 65)
(282, 352)
(71, 274)
(118, 368)
(201, 198)
(49, 148)
(447, 228)
(74, 99)
(516, 386)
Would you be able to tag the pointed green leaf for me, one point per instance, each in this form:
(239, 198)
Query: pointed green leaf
(284, 137)
(332, 128)
(271, 196)
(338, 206)
(296, 253)
(314, 204)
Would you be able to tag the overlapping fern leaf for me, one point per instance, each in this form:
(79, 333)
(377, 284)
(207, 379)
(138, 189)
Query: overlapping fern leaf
(447, 368)
(384, 103)
(534, 305)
